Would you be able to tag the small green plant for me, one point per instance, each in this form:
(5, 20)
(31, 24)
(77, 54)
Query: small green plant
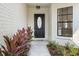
(54, 45)
(55, 48)
(68, 45)
(59, 51)
(67, 49)
(49, 44)
(74, 51)
(66, 52)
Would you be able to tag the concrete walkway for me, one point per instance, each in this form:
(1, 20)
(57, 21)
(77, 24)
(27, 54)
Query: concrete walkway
(38, 48)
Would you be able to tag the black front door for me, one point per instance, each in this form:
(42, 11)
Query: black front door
(39, 25)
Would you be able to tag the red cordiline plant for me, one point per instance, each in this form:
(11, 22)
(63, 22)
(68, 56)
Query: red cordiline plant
(18, 45)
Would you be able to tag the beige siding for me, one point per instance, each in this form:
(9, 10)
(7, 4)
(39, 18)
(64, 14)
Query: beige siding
(12, 17)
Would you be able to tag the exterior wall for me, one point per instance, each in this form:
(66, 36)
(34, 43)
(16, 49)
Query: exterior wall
(12, 17)
(63, 40)
(31, 11)
(76, 24)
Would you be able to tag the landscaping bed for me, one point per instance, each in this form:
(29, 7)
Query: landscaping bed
(68, 50)
(18, 44)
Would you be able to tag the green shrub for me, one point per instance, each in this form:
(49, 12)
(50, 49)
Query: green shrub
(57, 49)
(67, 50)
(74, 51)
(55, 45)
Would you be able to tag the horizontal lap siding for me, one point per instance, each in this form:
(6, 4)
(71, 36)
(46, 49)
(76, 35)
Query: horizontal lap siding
(12, 17)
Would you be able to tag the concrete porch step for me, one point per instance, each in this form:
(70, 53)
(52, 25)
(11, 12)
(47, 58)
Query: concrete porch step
(38, 48)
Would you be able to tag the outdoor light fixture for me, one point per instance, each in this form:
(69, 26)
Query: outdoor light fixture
(37, 7)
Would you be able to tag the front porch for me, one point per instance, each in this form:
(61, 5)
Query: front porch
(16, 16)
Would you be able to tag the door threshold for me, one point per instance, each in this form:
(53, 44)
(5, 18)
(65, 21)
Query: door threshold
(39, 40)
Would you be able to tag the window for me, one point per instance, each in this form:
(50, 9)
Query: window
(64, 21)
(39, 22)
